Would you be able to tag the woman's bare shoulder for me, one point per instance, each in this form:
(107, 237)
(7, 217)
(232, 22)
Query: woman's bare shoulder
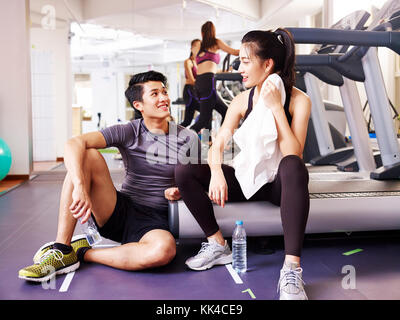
(299, 97)
(242, 96)
(299, 94)
(240, 102)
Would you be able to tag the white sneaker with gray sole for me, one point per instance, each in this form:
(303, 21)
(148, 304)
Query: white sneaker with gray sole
(291, 284)
(210, 254)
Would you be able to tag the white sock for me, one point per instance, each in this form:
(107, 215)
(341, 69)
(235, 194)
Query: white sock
(290, 265)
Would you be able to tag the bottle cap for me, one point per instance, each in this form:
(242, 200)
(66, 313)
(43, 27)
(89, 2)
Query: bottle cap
(239, 222)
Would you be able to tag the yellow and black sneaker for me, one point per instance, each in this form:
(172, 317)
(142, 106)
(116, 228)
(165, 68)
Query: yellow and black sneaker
(76, 242)
(51, 263)
(80, 246)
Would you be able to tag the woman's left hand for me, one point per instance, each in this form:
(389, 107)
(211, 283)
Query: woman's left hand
(271, 96)
(172, 194)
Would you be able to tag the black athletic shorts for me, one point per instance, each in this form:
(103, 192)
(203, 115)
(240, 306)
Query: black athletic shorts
(130, 221)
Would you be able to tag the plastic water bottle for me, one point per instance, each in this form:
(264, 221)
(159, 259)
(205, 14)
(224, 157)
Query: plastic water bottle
(239, 248)
(89, 228)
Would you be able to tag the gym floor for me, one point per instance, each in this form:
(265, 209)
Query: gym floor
(359, 266)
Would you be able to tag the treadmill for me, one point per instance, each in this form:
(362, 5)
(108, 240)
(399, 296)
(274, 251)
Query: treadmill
(340, 201)
(365, 159)
(227, 75)
(364, 54)
(329, 149)
(224, 76)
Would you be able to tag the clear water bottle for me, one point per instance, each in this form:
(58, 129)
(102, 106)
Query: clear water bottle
(239, 248)
(90, 230)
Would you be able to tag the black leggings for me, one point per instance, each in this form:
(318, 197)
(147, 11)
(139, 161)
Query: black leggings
(289, 190)
(191, 104)
(209, 100)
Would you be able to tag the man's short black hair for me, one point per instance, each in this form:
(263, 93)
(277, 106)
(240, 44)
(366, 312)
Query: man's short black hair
(135, 88)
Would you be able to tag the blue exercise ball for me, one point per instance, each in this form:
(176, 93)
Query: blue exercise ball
(5, 159)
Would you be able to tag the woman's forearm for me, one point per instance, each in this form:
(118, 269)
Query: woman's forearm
(215, 153)
(288, 143)
(214, 158)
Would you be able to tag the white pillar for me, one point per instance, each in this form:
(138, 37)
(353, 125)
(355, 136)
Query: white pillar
(121, 103)
(305, 22)
(105, 99)
(327, 13)
(54, 42)
(15, 84)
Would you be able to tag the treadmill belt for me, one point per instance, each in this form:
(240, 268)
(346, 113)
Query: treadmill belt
(353, 186)
(354, 194)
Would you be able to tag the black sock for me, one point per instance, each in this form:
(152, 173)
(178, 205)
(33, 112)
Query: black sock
(81, 253)
(62, 247)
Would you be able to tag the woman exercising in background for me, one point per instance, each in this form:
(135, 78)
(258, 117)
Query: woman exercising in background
(191, 101)
(207, 62)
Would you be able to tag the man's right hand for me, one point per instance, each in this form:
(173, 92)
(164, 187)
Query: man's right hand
(81, 206)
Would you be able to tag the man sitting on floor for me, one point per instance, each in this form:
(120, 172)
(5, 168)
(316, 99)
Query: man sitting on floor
(136, 216)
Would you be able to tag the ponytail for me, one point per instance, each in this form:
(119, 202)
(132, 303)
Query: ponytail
(208, 40)
(287, 72)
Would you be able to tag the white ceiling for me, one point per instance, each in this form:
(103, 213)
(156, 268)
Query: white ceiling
(182, 19)
(171, 21)
(161, 30)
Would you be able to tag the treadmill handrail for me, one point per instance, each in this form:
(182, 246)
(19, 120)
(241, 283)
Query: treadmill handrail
(352, 69)
(228, 76)
(324, 73)
(359, 26)
(361, 38)
(393, 23)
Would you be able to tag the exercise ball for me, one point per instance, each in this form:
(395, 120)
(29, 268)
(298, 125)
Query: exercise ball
(5, 159)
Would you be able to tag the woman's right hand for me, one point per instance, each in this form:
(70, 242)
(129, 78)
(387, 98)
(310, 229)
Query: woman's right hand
(218, 190)
(81, 206)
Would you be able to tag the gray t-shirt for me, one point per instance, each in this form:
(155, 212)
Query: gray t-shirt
(150, 158)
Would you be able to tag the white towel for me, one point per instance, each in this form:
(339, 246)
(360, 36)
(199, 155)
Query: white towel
(258, 160)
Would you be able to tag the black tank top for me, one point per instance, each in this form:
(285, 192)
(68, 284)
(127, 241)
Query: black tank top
(285, 107)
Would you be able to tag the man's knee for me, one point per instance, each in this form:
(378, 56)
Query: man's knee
(93, 161)
(92, 156)
(160, 254)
